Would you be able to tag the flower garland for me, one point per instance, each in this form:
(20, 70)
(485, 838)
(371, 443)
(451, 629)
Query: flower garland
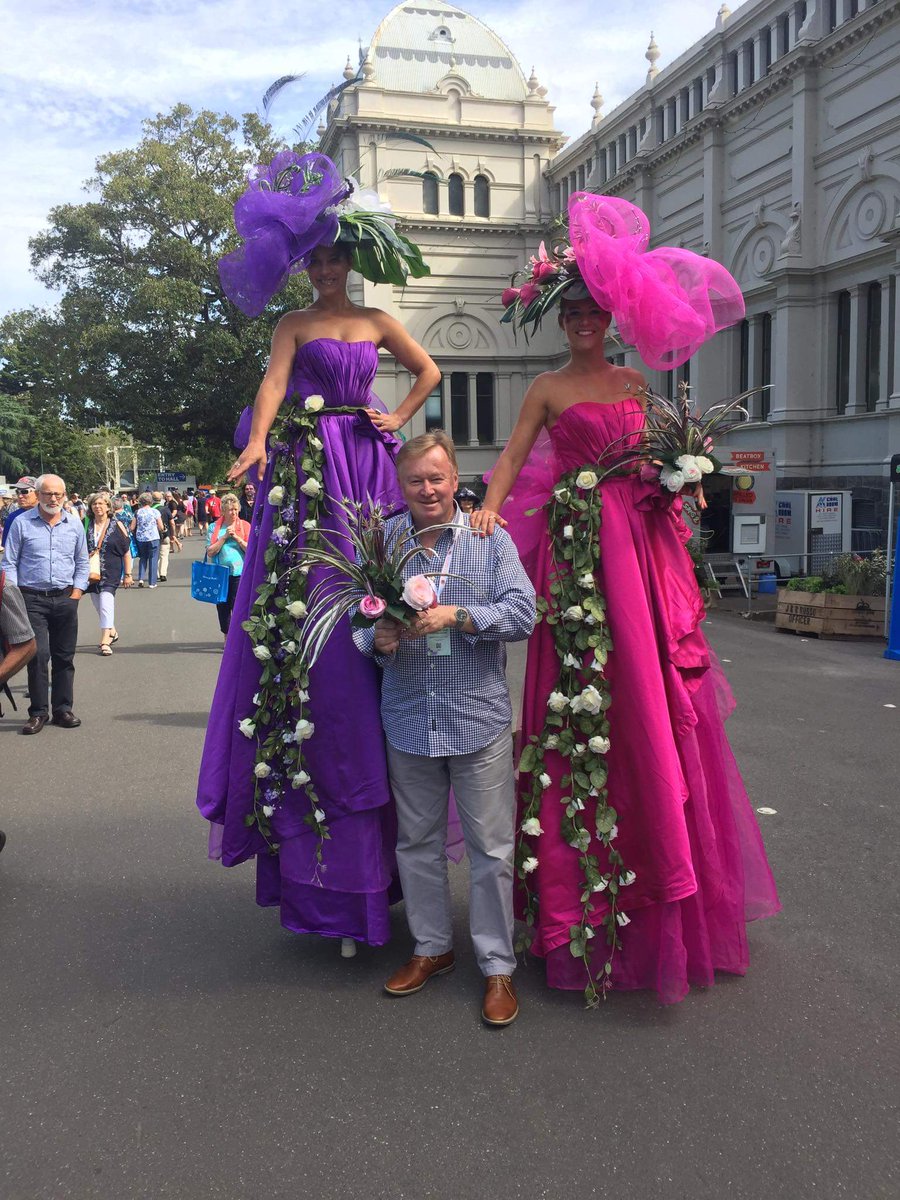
(279, 723)
(577, 728)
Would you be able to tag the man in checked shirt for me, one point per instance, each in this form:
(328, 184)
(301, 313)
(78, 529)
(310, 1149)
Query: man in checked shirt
(447, 716)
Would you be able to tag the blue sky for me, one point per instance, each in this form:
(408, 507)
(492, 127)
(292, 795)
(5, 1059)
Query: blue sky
(77, 80)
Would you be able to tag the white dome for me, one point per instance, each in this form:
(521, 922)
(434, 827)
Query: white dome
(416, 46)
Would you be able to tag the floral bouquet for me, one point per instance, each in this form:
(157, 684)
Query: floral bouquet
(678, 439)
(371, 582)
(549, 274)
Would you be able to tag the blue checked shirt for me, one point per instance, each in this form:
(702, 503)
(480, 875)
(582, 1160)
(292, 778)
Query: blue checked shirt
(436, 705)
(45, 556)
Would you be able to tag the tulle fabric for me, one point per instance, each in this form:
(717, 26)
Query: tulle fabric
(667, 302)
(280, 228)
(686, 825)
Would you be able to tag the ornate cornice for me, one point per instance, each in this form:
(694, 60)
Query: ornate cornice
(359, 124)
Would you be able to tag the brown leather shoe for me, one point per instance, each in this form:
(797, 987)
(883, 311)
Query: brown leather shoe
(67, 720)
(500, 1004)
(35, 724)
(415, 974)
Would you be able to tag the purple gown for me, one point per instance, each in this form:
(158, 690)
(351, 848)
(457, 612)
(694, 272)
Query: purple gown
(345, 757)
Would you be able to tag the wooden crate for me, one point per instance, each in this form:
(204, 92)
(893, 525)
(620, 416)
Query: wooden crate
(823, 614)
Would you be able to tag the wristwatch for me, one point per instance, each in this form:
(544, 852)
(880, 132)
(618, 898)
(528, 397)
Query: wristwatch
(461, 616)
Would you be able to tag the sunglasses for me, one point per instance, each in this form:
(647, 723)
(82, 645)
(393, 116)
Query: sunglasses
(24, 491)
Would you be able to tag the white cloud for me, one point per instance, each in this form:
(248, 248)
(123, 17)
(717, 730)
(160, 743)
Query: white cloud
(80, 79)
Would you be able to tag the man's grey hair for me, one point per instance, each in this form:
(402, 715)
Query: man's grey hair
(39, 482)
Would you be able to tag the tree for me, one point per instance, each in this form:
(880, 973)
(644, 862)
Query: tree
(143, 336)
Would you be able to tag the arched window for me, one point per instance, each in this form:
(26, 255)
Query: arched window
(457, 196)
(482, 196)
(430, 193)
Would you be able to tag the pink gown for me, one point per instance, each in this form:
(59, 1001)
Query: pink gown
(686, 826)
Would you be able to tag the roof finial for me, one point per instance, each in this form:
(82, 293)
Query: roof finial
(596, 105)
(349, 73)
(532, 83)
(651, 55)
(722, 17)
(368, 68)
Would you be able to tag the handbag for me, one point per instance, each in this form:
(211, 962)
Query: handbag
(94, 572)
(209, 582)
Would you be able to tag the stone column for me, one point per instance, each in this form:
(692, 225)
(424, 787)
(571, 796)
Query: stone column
(473, 410)
(884, 356)
(856, 396)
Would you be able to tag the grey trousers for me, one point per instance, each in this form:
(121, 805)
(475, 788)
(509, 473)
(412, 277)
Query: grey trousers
(483, 788)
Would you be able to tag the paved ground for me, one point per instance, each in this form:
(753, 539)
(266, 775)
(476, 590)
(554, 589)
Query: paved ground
(163, 1037)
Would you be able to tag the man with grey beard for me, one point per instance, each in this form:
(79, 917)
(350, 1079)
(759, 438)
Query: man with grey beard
(47, 559)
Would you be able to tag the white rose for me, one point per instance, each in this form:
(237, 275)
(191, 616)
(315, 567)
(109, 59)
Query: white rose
(589, 701)
(256, 698)
(588, 932)
(691, 472)
(311, 487)
(273, 578)
(577, 804)
(586, 479)
(267, 810)
(600, 886)
(623, 918)
(299, 779)
(314, 442)
(304, 729)
(614, 833)
(532, 827)
(589, 620)
(314, 403)
(557, 702)
(574, 613)
(529, 865)
(319, 815)
(561, 494)
(571, 661)
(627, 879)
(551, 741)
(281, 531)
(544, 780)
(297, 609)
(289, 647)
(705, 464)
(302, 697)
(586, 580)
(310, 524)
(262, 653)
(673, 480)
(270, 621)
(276, 495)
(262, 770)
(247, 728)
(568, 532)
(599, 745)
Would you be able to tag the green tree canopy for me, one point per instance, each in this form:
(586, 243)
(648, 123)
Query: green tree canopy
(143, 337)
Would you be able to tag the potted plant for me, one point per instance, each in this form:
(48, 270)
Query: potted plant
(846, 601)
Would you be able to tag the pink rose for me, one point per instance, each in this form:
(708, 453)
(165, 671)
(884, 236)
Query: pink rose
(510, 296)
(527, 293)
(372, 606)
(418, 593)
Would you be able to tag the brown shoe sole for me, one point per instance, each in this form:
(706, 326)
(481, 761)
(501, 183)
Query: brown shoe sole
(411, 991)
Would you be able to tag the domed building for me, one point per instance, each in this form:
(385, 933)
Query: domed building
(443, 122)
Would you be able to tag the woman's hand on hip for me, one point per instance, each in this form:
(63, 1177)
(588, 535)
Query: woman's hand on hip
(254, 456)
(386, 422)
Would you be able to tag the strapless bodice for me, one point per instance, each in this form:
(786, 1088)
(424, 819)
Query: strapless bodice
(340, 372)
(584, 431)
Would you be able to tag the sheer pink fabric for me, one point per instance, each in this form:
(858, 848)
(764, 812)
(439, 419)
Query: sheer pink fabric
(667, 302)
(686, 825)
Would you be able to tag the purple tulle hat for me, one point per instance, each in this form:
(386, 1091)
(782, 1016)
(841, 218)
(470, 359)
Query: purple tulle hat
(288, 209)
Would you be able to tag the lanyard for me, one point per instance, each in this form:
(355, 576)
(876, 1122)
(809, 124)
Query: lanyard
(438, 585)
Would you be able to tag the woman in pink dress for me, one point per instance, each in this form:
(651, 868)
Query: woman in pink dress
(688, 868)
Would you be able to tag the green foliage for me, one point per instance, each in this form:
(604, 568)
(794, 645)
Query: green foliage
(32, 442)
(848, 575)
(143, 336)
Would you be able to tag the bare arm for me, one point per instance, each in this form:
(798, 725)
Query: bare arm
(269, 397)
(531, 420)
(16, 659)
(409, 354)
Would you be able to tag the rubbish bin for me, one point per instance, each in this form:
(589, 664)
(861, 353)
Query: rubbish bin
(768, 585)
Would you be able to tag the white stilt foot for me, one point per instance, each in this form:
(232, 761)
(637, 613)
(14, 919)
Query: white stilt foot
(348, 948)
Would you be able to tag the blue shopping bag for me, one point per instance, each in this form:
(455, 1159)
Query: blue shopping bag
(209, 582)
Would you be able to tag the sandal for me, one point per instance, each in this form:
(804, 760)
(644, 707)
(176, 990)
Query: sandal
(113, 639)
(105, 649)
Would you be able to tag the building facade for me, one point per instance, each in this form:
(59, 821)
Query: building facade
(773, 145)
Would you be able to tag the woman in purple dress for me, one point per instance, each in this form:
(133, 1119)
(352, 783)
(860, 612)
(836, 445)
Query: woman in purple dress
(323, 836)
